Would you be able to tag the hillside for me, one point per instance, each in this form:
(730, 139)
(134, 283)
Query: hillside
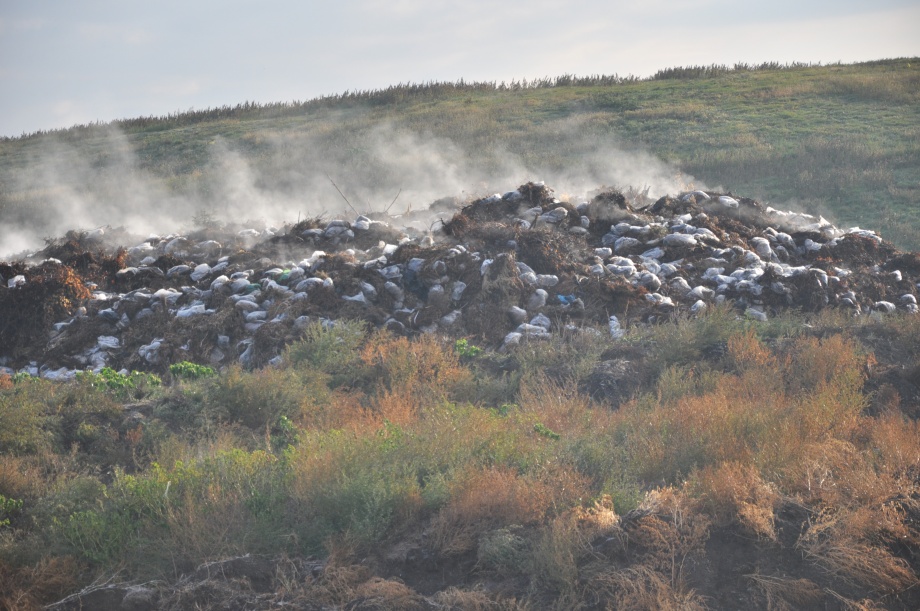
(838, 140)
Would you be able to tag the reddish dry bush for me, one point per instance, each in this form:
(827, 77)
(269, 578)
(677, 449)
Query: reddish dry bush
(487, 499)
(455, 599)
(31, 587)
(379, 593)
(895, 442)
(725, 424)
(787, 593)
(673, 533)
(735, 493)
(397, 406)
(746, 352)
(561, 408)
(20, 477)
(342, 410)
(839, 543)
(644, 589)
(424, 366)
(813, 363)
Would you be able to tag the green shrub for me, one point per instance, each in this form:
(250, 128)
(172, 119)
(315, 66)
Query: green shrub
(328, 347)
(8, 509)
(187, 370)
(563, 357)
(541, 430)
(22, 418)
(86, 415)
(688, 340)
(98, 536)
(136, 384)
(464, 349)
(503, 551)
(258, 399)
(355, 487)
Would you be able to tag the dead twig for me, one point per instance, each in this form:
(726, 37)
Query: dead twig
(387, 209)
(342, 194)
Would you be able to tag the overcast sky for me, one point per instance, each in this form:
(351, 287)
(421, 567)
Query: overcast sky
(65, 61)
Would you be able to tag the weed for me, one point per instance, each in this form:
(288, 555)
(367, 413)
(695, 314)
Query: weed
(135, 385)
(464, 349)
(829, 543)
(33, 586)
(542, 431)
(489, 499)
(191, 371)
(643, 588)
(9, 508)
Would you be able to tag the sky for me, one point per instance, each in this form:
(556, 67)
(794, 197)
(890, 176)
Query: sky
(66, 62)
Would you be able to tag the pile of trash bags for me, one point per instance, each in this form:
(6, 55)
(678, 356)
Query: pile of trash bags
(500, 270)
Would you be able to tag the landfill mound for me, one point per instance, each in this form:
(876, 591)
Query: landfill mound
(501, 269)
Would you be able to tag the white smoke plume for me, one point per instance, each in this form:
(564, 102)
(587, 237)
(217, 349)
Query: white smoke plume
(276, 176)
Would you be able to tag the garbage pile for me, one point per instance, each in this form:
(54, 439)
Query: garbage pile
(502, 269)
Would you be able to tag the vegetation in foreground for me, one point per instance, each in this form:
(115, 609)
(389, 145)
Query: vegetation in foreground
(770, 465)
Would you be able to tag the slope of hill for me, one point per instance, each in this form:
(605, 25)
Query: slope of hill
(838, 140)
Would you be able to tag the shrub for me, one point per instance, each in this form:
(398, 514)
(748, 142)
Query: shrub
(9, 508)
(355, 487)
(687, 340)
(22, 419)
(735, 493)
(542, 431)
(98, 536)
(503, 551)
(86, 415)
(330, 347)
(464, 349)
(37, 584)
(258, 399)
(136, 384)
(423, 367)
(187, 370)
(563, 358)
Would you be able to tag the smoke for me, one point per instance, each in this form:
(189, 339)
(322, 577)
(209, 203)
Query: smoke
(64, 186)
(275, 176)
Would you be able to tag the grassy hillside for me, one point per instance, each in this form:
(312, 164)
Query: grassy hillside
(842, 140)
